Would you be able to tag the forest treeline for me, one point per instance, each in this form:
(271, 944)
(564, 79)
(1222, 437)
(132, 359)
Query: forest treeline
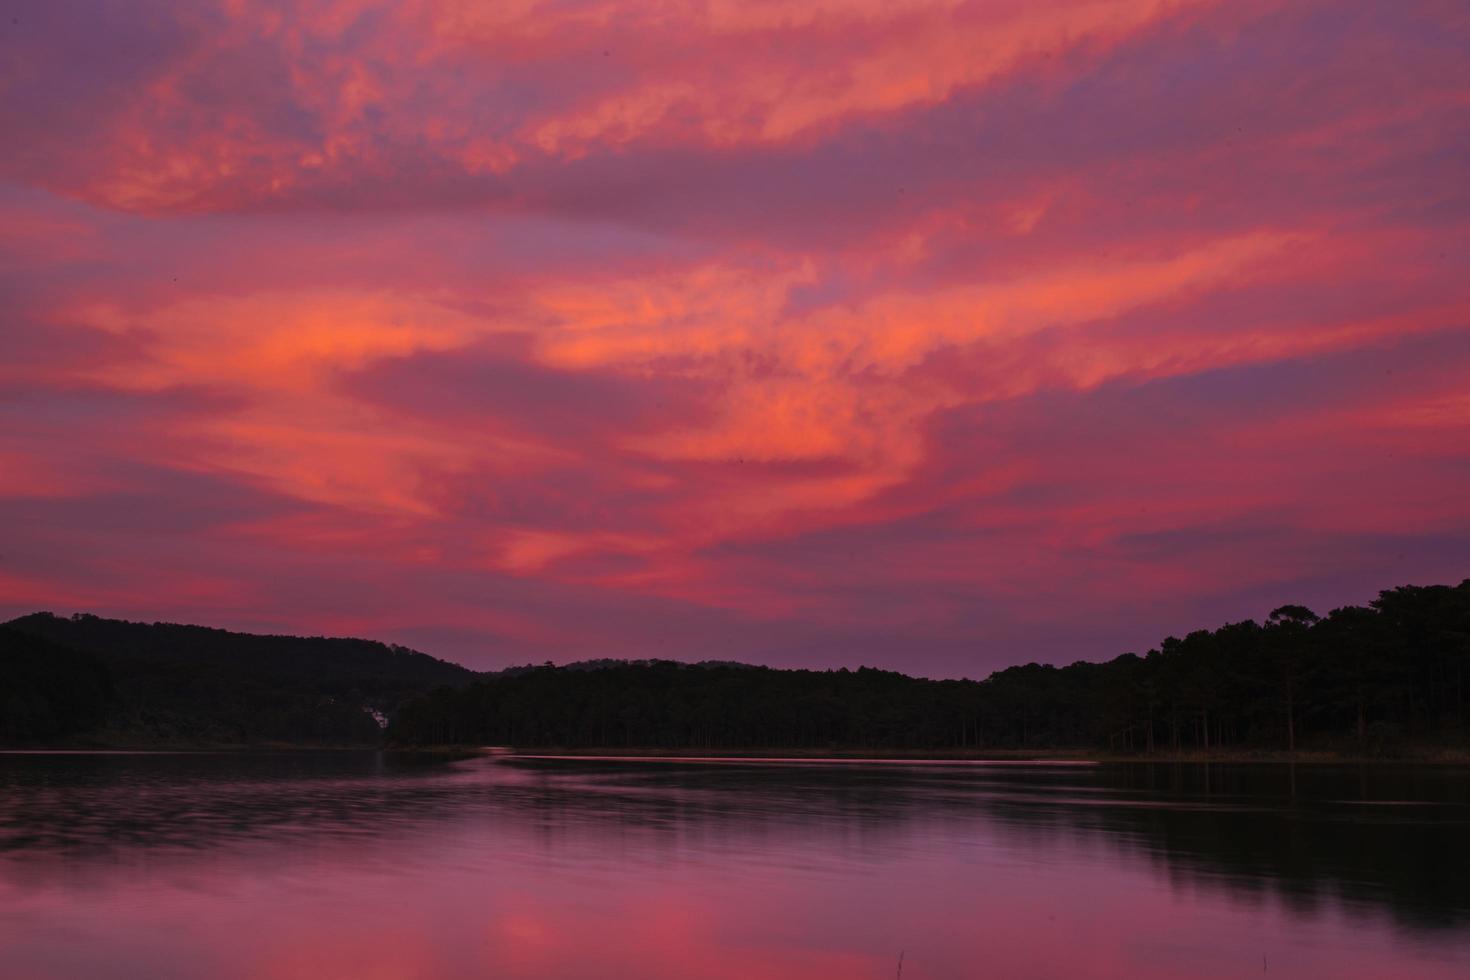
(1375, 679)
(88, 680)
(1370, 680)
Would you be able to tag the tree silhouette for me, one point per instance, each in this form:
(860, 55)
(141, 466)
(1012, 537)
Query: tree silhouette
(1395, 668)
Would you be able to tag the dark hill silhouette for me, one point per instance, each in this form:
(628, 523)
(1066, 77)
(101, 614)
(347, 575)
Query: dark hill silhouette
(1364, 680)
(1378, 679)
(166, 682)
(48, 692)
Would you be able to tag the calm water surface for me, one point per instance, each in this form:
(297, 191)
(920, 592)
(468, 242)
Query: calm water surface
(367, 866)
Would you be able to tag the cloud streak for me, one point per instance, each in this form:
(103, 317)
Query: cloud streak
(937, 335)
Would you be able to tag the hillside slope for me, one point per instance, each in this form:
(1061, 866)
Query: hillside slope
(170, 683)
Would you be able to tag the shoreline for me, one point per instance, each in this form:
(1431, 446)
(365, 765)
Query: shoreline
(1427, 756)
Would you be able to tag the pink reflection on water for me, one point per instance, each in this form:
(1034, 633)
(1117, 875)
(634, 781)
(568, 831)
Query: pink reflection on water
(552, 875)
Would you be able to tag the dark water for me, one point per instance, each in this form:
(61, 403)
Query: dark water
(364, 866)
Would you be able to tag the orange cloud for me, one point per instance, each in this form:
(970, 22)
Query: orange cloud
(771, 325)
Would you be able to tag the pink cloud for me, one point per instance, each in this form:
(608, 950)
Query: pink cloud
(792, 332)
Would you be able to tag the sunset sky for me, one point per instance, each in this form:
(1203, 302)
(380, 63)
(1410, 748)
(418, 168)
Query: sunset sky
(935, 336)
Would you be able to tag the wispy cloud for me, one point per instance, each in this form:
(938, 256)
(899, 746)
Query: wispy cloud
(933, 334)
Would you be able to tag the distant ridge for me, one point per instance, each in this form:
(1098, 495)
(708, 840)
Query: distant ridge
(1388, 678)
(169, 682)
(609, 663)
(300, 656)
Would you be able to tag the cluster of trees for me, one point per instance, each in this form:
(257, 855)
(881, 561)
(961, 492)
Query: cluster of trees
(85, 678)
(48, 692)
(1367, 679)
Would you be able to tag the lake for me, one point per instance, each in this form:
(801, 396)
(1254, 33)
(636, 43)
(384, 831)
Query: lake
(367, 865)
